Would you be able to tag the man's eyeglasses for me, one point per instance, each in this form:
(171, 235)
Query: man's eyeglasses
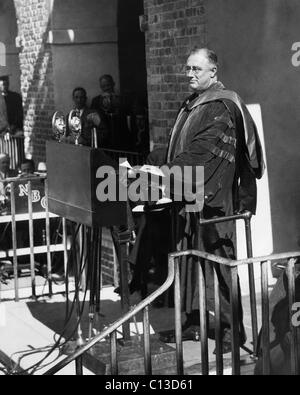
(195, 70)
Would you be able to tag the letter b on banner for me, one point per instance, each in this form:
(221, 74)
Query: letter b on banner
(2, 55)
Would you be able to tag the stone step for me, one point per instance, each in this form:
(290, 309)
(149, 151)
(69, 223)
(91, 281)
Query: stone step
(247, 367)
(131, 358)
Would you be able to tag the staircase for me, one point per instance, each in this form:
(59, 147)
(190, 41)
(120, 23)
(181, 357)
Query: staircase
(131, 358)
(247, 367)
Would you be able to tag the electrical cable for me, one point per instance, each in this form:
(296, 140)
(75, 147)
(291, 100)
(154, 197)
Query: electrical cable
(39, 366)
(4, 231)
(72, 250)
(46, 280)
(71, 335)
(58, 343)
(55, 238)
(67, 318)
(16, 365)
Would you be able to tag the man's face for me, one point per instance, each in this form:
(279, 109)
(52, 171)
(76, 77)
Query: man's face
(204, 76)
(4, 84)
(107, 85)
(79, 99)
(4, 165)
(27, 168)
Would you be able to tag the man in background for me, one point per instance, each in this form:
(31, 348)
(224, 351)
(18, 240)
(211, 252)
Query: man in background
(14, 106)
(111, 107)
(27, 168)
(89, 120)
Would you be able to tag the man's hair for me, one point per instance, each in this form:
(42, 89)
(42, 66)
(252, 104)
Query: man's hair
(107, 77)
(79, 88)
(4, 156)
(4, 78)
(28, 161)
(210, 54)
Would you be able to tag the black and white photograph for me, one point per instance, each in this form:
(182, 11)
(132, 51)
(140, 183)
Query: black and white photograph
(149, 190)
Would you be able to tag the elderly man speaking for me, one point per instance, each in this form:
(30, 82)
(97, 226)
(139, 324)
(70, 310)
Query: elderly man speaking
(213, 129)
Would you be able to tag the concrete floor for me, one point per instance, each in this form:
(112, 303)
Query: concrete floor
(28, 326)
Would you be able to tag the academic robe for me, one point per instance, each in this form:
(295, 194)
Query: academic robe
(214, 130)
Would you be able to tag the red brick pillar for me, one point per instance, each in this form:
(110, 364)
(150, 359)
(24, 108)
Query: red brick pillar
(173, 28)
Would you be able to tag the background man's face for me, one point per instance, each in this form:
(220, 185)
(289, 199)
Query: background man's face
(202, 79)
(4, 86)
(4, 165)
(79, 99)
(107, 85)
(27, 168)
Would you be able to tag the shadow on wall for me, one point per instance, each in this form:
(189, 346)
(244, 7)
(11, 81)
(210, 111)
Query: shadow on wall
(29, 65)
(37, 89)
(255, 55)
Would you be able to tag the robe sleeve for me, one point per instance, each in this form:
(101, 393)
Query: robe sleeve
(209, 143)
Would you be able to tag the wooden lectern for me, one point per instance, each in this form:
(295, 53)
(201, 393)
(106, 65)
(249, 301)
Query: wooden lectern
(71, 173)
(72, 184)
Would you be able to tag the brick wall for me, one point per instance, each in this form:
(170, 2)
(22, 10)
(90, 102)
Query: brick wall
(37, 87)
(36, 74)
(174, 27)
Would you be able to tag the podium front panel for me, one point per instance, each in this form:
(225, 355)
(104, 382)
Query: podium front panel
(71, 173)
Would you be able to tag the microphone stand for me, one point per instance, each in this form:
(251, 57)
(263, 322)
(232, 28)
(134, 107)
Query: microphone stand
(95, 241)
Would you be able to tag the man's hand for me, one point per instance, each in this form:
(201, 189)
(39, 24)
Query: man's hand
(94, 118)
(18, 133)
(67, 139)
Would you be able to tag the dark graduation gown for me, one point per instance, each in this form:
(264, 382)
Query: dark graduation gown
(215, 130)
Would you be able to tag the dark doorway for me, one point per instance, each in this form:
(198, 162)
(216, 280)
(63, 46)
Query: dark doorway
(132, 60)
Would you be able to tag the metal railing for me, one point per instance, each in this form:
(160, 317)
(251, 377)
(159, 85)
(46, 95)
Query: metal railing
(291, 259)
(234, 302)
(246, 217)
(14, 147)
(12, 218)
(174, 277)
(111, 331)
